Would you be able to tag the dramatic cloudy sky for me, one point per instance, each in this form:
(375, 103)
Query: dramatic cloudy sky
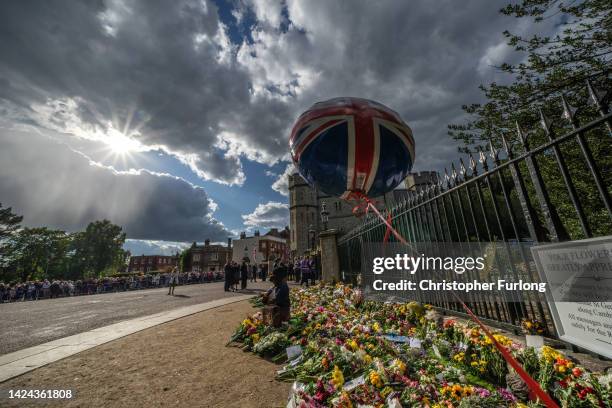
(171, 118)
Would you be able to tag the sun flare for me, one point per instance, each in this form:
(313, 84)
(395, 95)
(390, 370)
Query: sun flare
(121, 144)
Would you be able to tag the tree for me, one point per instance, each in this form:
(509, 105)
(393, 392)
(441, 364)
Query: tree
(98, 248)
(9, 222)
(37, 253)
(184, 259)
(580, 50)
(552, 66)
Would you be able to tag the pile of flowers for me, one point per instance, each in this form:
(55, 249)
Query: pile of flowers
(343, 351)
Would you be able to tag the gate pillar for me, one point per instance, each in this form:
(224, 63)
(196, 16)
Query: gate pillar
(330, 264)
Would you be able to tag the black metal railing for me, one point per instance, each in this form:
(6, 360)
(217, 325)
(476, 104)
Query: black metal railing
(536, 187)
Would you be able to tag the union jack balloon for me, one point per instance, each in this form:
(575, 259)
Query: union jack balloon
(349, 145)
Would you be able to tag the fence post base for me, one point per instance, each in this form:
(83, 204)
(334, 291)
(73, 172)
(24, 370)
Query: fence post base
(330, 265)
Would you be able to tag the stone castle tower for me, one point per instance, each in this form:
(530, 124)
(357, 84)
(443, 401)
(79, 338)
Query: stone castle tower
(303, 214)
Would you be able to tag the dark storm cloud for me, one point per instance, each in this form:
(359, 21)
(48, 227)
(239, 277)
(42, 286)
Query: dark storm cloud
(162, 65)
(52, 185)
(168, 71)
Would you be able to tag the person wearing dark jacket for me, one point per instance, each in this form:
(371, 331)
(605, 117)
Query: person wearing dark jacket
(227, 270)
(277, 298)
(244, 275)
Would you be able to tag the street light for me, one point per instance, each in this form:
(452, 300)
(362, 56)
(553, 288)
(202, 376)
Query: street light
(324, 215)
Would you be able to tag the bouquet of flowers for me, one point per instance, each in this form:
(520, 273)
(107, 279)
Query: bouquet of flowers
(272, 344)
(532, 327)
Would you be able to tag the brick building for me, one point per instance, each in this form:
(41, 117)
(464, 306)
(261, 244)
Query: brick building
(259, 248)
(152, 263)
(208, 257)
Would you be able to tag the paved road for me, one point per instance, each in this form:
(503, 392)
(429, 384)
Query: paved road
(26, 324)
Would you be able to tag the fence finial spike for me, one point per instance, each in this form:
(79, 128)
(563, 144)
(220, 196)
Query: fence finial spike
(440, 183)
(493, 152)
(447, 178)
(454, 174)
(544, 121)
(506, 145)
(568, 110)
(473, 164)
(462, 169)
(596, 95)
(522, 135)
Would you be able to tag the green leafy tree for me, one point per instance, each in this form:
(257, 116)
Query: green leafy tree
(9, 222)
(37, 253)
(184, 259)
(552, 66)
(99, 248)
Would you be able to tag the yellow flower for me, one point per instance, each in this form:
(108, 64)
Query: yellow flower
(459, 357)
(337, 377)
(376, 327)
(352, 345)
(255, 337)
(549, 354)
(399, 365)
(375, 379)
(367, 358)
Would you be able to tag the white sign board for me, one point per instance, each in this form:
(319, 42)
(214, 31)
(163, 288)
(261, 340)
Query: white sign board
(579, 276)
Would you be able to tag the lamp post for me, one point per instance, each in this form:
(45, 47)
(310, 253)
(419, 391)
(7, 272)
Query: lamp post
(324, 215)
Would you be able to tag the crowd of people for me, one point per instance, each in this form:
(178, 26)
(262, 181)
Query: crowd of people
(238, 274)
(302, 270)
(49, 289)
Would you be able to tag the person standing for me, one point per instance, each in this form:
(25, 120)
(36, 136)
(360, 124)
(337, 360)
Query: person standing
(227, 271)
(254, 272)
(235, 275)
(173, 281)
(304, 269)
(312, 268)
(296, 270)
(244, 275)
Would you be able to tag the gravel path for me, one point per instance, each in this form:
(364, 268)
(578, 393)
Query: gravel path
(180, 363)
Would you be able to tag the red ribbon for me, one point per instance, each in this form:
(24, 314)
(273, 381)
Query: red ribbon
(388, 231)
(365, 204)
(531, 383)
(362, 207)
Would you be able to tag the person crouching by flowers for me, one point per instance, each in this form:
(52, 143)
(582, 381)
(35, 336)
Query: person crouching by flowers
(277, 299)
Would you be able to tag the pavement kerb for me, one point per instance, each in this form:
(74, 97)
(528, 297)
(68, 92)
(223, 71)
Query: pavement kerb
(28, 359)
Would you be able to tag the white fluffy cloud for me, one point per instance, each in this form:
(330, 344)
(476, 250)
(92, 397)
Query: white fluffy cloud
(150, 247)
(281, 184)
(268, 215)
